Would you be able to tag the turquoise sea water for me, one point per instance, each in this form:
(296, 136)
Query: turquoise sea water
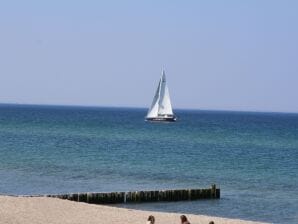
(253, 157)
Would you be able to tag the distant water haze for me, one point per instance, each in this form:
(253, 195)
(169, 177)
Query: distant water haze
(223, 55)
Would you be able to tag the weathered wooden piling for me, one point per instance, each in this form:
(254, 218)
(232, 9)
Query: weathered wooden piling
(143, 196)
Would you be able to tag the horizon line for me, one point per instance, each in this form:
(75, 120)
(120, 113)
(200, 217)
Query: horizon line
(138, 107)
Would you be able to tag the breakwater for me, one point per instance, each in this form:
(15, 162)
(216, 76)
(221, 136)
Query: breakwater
(142, 196)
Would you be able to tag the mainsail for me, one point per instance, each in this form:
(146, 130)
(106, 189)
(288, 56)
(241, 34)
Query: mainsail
(161, 104)
(165, 106)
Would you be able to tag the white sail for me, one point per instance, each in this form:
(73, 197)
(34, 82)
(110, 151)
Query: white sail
(153, 110)
(161, 104)
(165, 106)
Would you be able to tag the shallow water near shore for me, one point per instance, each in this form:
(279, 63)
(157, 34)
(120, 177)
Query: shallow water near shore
(252, 157)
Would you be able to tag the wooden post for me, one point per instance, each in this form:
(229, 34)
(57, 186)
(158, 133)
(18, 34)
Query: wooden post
(213, 191)
(143, 196)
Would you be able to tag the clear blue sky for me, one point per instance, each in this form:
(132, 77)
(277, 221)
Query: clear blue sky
(226, 55)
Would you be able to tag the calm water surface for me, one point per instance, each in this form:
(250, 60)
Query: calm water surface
(253, 157)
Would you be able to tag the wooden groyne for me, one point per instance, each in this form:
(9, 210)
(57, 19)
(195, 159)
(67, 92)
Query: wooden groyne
(143, 196)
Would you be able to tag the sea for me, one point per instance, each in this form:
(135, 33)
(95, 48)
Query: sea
(251, 156)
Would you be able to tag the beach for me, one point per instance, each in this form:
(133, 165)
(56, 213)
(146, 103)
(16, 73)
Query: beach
(39, 210)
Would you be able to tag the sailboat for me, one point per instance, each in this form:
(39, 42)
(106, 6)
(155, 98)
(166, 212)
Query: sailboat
(161, 108)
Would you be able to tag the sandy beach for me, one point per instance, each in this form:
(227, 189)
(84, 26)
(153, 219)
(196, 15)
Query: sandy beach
(42, 210)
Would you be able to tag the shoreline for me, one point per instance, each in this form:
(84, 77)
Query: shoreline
(37, 210)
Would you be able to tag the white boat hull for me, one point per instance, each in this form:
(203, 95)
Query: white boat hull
(169, 119)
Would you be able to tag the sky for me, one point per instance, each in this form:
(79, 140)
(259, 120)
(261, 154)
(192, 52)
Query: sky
(217, 55)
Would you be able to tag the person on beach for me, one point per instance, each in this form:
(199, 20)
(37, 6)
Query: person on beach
(151, 219)
(184, 220)
(211, 222)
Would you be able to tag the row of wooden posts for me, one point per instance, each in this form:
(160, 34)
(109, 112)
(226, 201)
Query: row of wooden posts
(143, 196)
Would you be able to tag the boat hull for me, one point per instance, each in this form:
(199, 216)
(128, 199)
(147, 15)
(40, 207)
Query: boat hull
(161, 119)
